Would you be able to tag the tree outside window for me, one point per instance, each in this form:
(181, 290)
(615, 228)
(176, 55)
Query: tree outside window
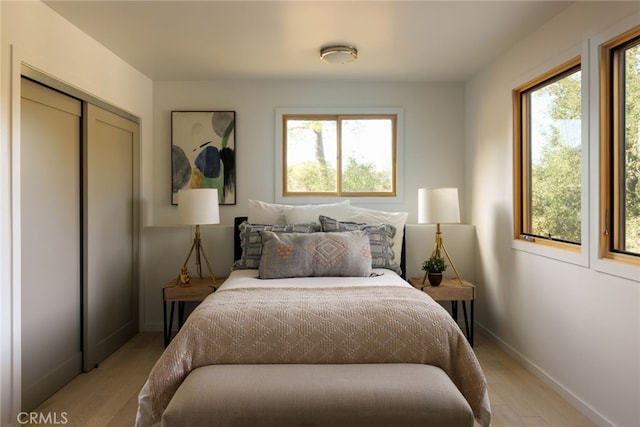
(339, 155)
(620, 147)
(548, 141)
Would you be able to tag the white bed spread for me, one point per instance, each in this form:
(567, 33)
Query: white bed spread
(249, 279)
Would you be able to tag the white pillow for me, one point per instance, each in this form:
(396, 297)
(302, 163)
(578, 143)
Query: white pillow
(260, 212)
(267, 213)
(310, 213)
(371, 216)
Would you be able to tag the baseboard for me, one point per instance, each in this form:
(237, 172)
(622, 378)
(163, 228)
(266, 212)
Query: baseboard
(543, 376)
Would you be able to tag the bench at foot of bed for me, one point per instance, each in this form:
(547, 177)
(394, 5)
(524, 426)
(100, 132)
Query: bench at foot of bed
(318, 395)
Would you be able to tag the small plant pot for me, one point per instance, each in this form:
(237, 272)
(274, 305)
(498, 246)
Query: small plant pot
(434, 278)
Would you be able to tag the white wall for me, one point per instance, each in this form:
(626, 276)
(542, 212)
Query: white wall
(433, 118)
(433, 156)
(577, 327)
(35, 35)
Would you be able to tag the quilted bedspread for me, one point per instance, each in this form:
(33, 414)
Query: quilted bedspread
(320, 325)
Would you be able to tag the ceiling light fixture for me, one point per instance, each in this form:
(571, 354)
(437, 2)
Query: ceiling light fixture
(338, 54)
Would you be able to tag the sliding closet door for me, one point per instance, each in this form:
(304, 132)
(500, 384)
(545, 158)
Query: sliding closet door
(50, 238)
(111, 233)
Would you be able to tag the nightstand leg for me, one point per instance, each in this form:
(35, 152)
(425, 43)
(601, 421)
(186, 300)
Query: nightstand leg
(168, 324)
(454, 310)
(472, 321)
(164, 315)
(466, 321)
(180, 314)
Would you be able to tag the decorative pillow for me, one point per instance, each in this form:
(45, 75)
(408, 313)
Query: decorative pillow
(371, 216)
(310, 213)
(380, 240)
(318, 254)
(251, 241)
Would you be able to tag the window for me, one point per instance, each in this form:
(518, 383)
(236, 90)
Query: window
(548, 158)
(619, 147)
(346, 155)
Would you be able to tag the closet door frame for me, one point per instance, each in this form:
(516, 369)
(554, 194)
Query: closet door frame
(50, 81)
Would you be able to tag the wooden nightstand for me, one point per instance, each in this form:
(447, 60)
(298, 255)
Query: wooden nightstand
(197, 290)
(451, 290)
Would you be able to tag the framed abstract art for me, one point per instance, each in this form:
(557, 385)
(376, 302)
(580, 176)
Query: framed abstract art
(203, 153)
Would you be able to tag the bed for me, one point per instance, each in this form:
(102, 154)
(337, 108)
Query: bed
(306, 348)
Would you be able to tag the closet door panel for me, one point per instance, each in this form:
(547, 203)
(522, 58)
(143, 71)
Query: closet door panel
(110, 239)
(50, 239)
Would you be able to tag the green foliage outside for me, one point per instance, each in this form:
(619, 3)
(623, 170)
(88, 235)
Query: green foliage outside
(556, 206)
(318, 177)
(556, 177)
(632, 151)
(311, 177)
(358, 177)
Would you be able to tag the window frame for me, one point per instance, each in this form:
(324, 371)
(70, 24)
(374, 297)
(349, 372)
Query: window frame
(339, 118)
(610, 145)
(348, 112)
(521, 161)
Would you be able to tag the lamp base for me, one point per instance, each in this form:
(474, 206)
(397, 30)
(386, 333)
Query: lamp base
(184, 277)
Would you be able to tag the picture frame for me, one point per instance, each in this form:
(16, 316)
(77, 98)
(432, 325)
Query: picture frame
(203, 145)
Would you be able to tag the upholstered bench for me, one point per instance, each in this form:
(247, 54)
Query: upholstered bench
(318, 395)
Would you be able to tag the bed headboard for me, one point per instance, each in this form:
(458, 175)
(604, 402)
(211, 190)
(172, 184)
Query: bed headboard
(237, 247)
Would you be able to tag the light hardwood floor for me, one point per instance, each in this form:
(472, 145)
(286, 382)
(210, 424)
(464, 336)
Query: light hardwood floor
(107, 396)
(518, 398)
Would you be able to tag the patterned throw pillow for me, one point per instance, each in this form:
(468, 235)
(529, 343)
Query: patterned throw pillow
(318, 254)
(251, 241)
(380, 240)
(373, 216)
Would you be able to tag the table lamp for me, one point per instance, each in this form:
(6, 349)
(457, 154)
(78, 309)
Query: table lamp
(197, 206)
(439, 206)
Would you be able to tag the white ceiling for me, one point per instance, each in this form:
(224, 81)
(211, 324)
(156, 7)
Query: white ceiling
(396, 40)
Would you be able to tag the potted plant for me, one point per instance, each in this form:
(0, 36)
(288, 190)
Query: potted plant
(434, 267)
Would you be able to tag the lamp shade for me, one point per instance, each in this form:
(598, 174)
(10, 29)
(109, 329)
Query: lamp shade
(198, 206)
(438, 206)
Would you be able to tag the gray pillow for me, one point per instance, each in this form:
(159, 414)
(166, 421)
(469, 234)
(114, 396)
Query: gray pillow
(251, 241)
(380, 240)
(318, 254)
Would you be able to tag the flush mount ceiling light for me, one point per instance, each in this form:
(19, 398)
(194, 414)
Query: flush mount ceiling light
(338, 54)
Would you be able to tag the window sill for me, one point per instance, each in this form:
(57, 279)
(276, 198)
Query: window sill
(617, 268)
(578, 258)
(601, 265)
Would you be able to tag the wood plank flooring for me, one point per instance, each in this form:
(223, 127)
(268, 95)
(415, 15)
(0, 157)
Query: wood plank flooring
(107, 396)
(518, 398)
